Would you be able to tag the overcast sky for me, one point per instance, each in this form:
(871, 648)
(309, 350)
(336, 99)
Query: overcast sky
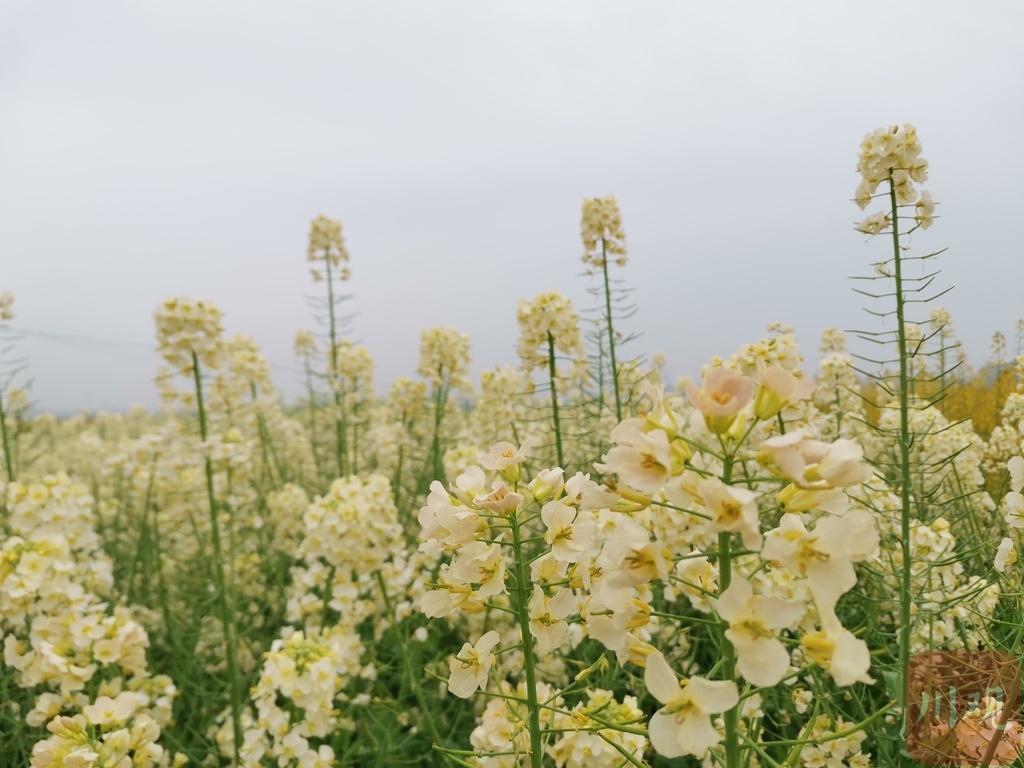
(153, 149)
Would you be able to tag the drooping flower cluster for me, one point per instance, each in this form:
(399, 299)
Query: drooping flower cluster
(602, 233)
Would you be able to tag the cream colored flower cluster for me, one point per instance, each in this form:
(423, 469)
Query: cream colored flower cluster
(893, 154)
(247, 361)
(585, 742)
(779, 350)
(951, 608)
(824, 750)
(286, 507)
(936, 440)
(327, 244)
(354, 368)
(602, 233)
(6, 304)
(305, 344)
(502, 402)
(444, 358)
(185, 327)
(550, 316)
(351, 533)
(110, 732)
(56, 507)
(295, 703)
(82, 655)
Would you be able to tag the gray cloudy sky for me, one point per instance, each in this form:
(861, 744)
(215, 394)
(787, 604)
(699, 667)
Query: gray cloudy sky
(152, 149)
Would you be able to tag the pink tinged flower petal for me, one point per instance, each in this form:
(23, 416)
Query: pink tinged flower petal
(777, 388)
(793, 452)
(641, 460)
(659, 678)
(501, 500)
(723, 394)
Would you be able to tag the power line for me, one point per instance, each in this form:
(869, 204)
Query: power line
(127, 347)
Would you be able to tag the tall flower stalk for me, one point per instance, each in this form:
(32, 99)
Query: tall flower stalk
(190, 336)
(227, 607)
(549, 327)
(6, 313)
(444, 365)
(603, 236)
(327, 249)
(891, 158)
(305, 349)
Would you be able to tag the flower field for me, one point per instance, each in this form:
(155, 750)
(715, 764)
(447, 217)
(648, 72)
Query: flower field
(572, 562)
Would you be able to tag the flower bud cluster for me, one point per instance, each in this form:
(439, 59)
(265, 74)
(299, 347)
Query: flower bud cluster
(185, 327)
(549, 315)
(893, 154)
(444, 358)
(601, 229)
(354, 367)
(327, 244)
(6, 302)
(305, 343)
(247, 362)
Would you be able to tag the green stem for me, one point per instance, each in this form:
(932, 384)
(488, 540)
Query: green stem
(8, 461)
(554, 399)
(410, 671)
(270, 460)
(339, 422)
(522, 588)
(435, 465)
(611, 329)
(905, 440)
(226, 608)
(312, 419)
(731, 717)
